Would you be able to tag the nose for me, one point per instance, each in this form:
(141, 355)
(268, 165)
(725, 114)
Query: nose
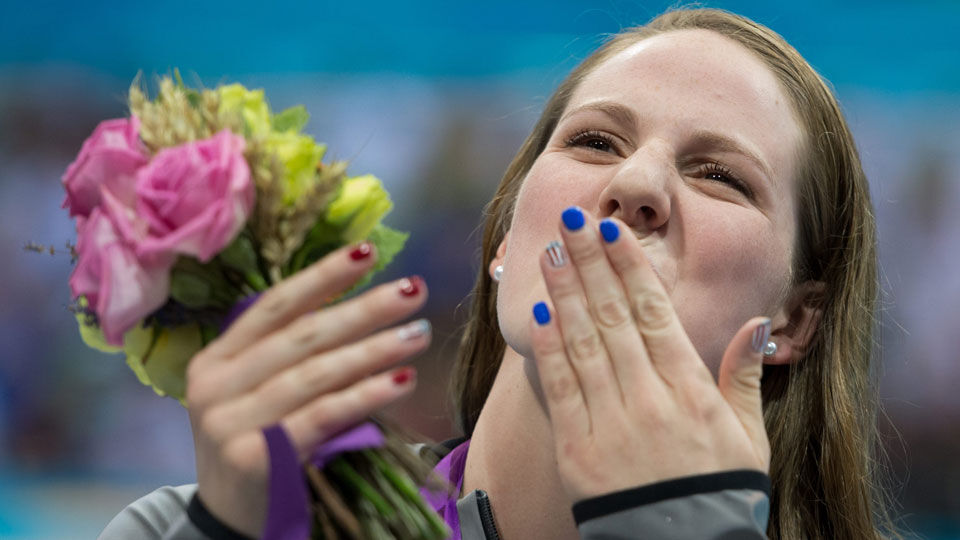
(640, 191)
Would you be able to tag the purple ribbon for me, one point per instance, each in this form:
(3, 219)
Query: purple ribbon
(366, 435)
(288, 513)
(451, 468)
(288, 507)
(237, 310)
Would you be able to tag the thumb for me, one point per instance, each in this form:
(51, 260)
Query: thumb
(739, 380)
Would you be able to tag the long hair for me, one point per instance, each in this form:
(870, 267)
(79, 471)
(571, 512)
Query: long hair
(820, 413)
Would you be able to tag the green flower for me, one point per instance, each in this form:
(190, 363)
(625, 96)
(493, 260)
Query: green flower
(91, 334)
(359, 207)
(159, 356)
(249, 104)
(300, 156)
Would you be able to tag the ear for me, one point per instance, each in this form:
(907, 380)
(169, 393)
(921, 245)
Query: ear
(501, 253)
(796, 323)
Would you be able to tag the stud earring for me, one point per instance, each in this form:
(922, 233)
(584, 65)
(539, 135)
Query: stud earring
(770, 349)
(498, 273)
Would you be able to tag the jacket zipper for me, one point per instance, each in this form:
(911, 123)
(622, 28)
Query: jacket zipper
(486, 516)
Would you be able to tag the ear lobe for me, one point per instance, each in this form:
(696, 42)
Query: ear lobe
(795, 326)
(500, 255)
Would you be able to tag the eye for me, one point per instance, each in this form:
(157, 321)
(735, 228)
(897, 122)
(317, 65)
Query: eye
(592, 139)
(717, 172)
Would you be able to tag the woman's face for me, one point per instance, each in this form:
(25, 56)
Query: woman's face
(688, 138)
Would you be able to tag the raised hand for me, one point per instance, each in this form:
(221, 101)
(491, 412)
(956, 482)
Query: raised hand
(315, 370)
(631, 402)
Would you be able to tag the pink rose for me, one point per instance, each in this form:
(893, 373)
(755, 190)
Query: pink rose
(191, 199)
(109, 160)
(118, 287)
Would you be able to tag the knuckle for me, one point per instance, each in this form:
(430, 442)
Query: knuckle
(549, 345)
(562, 386)
(654, 311)
(274, 301)
(624, 260)
(303, 333)
(657, 419)
(316, 373)
(585, 345)
(590, 251)
(611, 312)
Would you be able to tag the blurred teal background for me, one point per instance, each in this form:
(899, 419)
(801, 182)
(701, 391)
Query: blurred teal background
(433, 97)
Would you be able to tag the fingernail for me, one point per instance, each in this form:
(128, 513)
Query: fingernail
(556, 255)
(404, 375)
(410, 286)
(414, 330)
(541, 313)
(609, 230)
(362, 251)
(573, 218)
(761, 334)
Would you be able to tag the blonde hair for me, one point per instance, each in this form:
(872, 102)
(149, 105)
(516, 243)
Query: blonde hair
(820, 413)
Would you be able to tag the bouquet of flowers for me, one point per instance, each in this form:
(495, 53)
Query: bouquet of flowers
(193, 205)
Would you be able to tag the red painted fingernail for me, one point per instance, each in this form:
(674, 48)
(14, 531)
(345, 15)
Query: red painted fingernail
(362, 251)
(410, 286)
(404, 375)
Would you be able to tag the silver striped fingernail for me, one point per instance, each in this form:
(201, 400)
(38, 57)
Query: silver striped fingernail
(555, 252)
(761, 334)
(413, 330)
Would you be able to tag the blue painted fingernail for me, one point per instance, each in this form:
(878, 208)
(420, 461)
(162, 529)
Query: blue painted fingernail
(609, 230)
(541, 313)
(573, 218)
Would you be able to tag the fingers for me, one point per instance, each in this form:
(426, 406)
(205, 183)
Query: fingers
(331, 413)
(667, 345)
(320, 331)
(608, 304)
(303, 292)
(322, 374)
(585, 348)
(739, 378)
(561, 387)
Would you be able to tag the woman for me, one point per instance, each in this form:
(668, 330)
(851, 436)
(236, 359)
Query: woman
(690, 193)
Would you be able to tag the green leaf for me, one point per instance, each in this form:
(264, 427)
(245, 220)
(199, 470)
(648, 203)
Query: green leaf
(389, 242)
(189, 289)
(240, 255)
(321, 240)
(292, 119)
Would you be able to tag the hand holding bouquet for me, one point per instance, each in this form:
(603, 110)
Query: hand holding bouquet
(185, 213)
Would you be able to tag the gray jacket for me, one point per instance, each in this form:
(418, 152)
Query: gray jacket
(722, 506)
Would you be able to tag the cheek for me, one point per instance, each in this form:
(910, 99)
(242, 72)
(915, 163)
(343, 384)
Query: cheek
(548, 189)
(733, 268)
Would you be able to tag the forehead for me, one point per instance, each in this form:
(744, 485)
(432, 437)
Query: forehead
(698, 79)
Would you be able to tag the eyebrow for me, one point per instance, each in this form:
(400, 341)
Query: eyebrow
(721, 143)
(618, 113)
